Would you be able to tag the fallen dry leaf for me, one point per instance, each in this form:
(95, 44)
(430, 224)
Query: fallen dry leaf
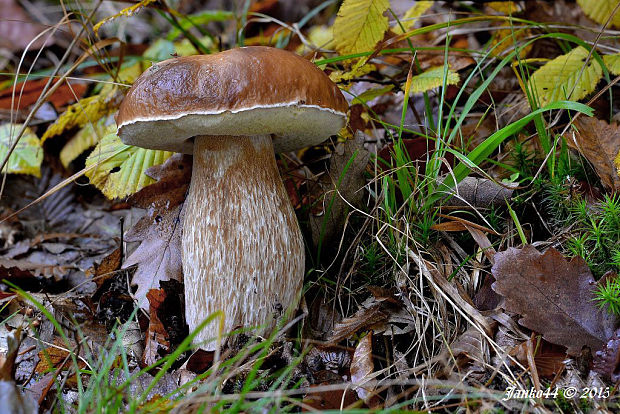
(159, 255)
(345, 181)
(549, 358)
(328, 399)
(607, 360)
(156, 340)
(12, 400)
(599, 142)
(374, 314)
(17, 28)
(554, 297)
(362, 368)
(27, 93)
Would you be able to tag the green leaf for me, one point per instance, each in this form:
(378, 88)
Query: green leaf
(565, 78)
(86, 137)
(28, 154)
(199, 19)
(371, 94)
(600, 10)
(432, 78)
(360, 25)
(121, 172)
(613, 63)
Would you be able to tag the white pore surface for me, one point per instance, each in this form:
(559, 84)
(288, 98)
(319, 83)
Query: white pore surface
(292, 126)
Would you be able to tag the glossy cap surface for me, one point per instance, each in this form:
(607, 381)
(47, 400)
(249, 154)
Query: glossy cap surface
(246, 91)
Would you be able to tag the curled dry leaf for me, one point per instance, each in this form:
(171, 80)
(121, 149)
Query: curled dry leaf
(599, 142)
(480, 192)
(375, 313)
(346, 182)
(156, 338)
(12, 400)
(362, 368)
(159, 255)
(554, 297)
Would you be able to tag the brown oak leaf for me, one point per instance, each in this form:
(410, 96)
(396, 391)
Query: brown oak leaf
(159, 255)
(599, 142)
(554, 297)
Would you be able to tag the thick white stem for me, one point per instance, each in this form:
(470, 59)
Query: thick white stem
(243, 252)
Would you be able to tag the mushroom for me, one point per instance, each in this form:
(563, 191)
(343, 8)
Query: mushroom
(243, 252)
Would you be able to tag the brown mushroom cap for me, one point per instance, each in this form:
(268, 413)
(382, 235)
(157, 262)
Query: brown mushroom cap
(246, 91)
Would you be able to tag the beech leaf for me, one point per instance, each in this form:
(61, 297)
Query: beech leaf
(28, 154)
(554, 296)
(566, 77)
(360, 25)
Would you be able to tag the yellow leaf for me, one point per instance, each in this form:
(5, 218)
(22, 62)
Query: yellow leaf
(433, 78)
(318, 36)
(360, 25)
(613, 63)
(358, 70)
(371, 94)
(506, 7)
(565, 78)
(87, 110)
(86, 137)
(600, 10)
(28, 154)
(412, 15)
(505, 39)
(617, 163)
(128, 11)
(121, 172)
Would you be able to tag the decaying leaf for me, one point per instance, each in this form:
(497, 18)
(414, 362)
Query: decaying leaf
(362, 368)
(156, 340)
(607, 360)
(548, 358)
(360, 25)
(347, 182)
(28, 154)
(479, 192)
(17, 29)
(28, 92)
(12, 400)
(599, 142)
(553, 296)
(470, 347)
(566, 77)
(375, 313)
(159, 255)
(121, 169)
